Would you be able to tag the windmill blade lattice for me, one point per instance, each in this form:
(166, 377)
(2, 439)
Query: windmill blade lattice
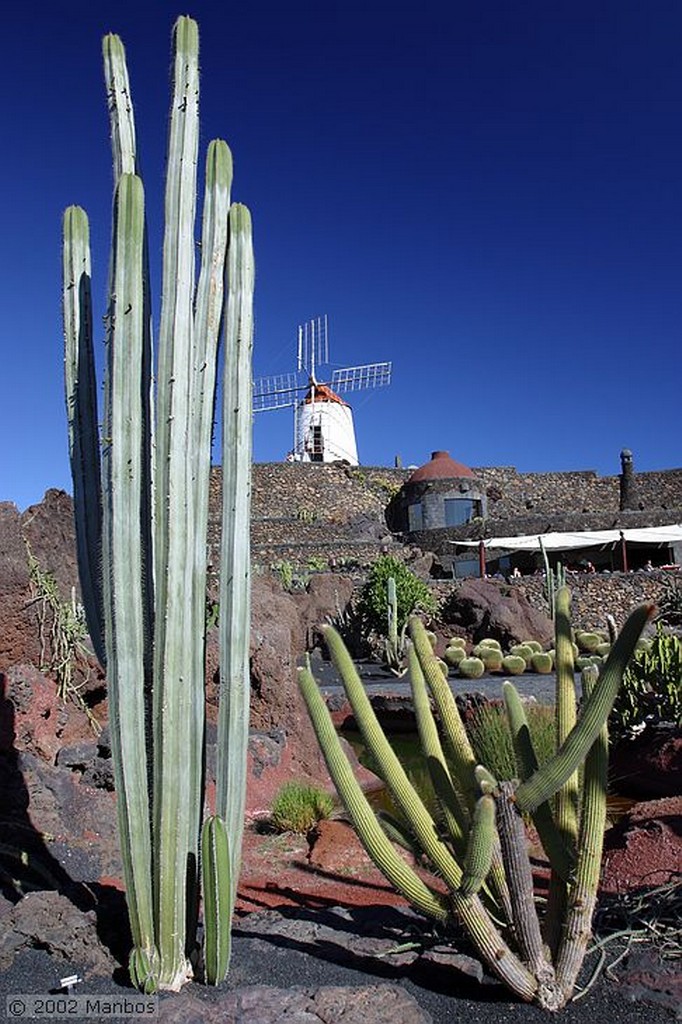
(276, 392)
(359, 378)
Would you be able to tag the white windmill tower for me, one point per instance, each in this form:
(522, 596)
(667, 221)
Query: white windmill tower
(323, 422)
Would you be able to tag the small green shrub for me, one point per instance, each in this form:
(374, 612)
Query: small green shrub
(412, 594)
(316, 563)
(285, 571)
(298, 807)
(306, 515)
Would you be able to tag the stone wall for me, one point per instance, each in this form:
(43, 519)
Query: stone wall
(304, 511)
(593, 597)
(512, 494)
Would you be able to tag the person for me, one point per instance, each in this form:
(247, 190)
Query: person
(649, 565)
(516, 573)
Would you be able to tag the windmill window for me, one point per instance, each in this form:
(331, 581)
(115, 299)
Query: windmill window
(317, 453)
(458, 511)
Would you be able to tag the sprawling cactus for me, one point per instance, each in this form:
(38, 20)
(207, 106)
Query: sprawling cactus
(142, 516)
(478, 846)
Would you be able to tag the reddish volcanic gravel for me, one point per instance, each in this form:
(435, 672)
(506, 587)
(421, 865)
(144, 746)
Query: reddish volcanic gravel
(332, 869)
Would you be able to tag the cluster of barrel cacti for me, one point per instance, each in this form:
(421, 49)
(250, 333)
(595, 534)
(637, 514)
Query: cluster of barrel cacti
(487, 656)
(141, 488)
(476, 844)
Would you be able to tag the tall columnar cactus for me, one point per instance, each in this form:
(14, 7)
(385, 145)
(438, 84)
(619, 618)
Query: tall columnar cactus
(142, 517)
(477, 847)
(394, 640)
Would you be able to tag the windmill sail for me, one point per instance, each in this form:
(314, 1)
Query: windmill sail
(323, 422)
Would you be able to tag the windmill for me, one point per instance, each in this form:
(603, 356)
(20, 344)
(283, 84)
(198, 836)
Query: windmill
(323, 422)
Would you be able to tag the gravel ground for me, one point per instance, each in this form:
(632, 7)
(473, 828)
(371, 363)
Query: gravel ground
(261, 956)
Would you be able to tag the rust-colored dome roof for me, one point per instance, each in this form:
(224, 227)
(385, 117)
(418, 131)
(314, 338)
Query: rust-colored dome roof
(440, 467)
(322, 393)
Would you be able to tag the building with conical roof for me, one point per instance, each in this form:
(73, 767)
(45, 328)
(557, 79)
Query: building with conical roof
(441, 493)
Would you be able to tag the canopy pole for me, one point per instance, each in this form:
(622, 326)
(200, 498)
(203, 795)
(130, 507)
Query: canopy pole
(623, 551)
(481, 559)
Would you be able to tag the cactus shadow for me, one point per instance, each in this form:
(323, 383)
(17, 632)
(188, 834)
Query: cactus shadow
(347, 938)
(26, 863)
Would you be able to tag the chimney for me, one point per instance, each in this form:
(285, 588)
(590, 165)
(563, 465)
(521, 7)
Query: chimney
(628, 485)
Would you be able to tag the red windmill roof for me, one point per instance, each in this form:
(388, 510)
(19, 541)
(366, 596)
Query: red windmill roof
(322, 393)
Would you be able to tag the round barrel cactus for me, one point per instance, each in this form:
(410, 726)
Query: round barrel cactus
(471, 668)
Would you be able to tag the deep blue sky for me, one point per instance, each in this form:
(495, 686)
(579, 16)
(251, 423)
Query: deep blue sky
(487, 193)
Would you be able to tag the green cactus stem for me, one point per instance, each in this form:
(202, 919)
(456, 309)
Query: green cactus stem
(423, 898)
(479, 853)
(451, 803)
(552, 775)
(582, 895)
(458, 746)
(81, 402)
(552, 841)
(235, 591)
(123, 560)
(566, 802)
(389, 767)
(217, 890)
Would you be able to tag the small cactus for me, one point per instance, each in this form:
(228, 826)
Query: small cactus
(588, 641)
(489, 642)
(522, 651)
(491, 658)
(454, 655)
(471, 668)
(541, 662)
(514, 664)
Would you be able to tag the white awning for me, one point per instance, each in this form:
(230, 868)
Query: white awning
(661, 535)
